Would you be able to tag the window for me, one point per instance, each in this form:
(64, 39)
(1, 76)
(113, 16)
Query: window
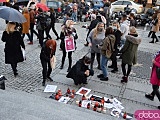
(127, 3)
(118, 3)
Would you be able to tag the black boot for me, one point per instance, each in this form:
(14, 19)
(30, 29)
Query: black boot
(44, 81)
(152, 41)
(125, 79)
(149, 96)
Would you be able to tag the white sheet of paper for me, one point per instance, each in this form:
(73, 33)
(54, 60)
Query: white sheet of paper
(64, 99)
(50, 88)
(79, 92)
(85, 102)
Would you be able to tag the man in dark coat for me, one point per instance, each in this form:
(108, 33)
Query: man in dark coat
(80, 71)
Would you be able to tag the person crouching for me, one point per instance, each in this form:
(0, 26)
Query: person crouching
(80, 71)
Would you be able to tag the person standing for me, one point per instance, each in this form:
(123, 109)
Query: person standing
(46, 56)
(124, 28)
(106, 13)
(106, 48)
(154, 80)
(92, 25)
(117, 34)
(32, 23)
(95, 37)
(53, 21)
(67, 31)
(129, 53)
(155, 28)
(13, 43)
(26, 25)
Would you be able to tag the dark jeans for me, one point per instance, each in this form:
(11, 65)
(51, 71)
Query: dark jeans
(114, 60)
(54, 30)
(155, 91)
(14, 67)
(47, 30)
(41, 37)
(27, 35)
(93, 57)
(69, 58)
(46, 69)
(124, 69)
(33, 31)
(154, 36)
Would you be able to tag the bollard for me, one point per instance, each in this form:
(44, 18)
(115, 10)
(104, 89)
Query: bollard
(2, 82)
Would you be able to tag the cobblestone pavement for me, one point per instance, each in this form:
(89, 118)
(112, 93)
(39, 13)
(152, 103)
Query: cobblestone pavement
(131, 94)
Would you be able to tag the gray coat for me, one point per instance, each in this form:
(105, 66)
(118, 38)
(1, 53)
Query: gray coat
(95, 41)
(129, 50)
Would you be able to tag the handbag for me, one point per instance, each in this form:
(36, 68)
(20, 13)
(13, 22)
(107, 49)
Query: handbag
(53, 62)
(158, 72)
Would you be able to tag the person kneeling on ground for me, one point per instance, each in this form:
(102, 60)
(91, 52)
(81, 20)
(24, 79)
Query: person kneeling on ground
(80, 71)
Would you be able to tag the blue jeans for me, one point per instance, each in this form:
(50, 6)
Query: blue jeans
(74, 16)
(104, 62)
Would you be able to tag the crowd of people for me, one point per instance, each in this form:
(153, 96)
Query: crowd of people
(106, 43)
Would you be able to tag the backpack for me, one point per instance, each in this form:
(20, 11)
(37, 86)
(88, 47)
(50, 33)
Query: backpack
(44, 21)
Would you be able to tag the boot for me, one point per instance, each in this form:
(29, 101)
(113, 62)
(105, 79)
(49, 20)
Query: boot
(43, 83)
(149, 96)
(125, 79)
(152, 41)
(98, 67)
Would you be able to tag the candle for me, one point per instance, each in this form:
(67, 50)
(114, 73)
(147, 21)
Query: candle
(77, 102)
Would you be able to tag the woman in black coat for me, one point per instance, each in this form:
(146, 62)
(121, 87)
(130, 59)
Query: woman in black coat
(80, 71)
(46, 56)
(13, 43)
(67, 31)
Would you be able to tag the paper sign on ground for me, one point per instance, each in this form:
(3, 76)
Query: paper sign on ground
(85, 103)
(50, 88)
(83, 91)
(64, 99)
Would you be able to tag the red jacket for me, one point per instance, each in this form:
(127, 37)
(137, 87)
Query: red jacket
(153, 79)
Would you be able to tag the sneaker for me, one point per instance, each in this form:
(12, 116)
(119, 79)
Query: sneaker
(104, 79)
(30, 43)
(149, 96)
(100, 76)
(114, 71)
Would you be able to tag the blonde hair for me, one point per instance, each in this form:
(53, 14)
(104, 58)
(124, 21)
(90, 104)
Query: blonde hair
(95, 30)
(10, 27)
(25, 10)
(68, 23)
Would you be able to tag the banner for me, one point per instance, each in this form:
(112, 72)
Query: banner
(69, 44)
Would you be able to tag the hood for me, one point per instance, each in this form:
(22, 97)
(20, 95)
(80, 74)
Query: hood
(134, 40)
(111, 37)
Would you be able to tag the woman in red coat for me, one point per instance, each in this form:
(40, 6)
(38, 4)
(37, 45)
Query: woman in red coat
(154, 80)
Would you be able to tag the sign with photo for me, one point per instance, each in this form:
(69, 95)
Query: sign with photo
(69, 44)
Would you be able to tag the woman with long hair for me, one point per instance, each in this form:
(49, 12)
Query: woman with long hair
(46, 56)
(26, 25)
(95, 37)
(13, 43)
(67, 31)
(107, 48)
